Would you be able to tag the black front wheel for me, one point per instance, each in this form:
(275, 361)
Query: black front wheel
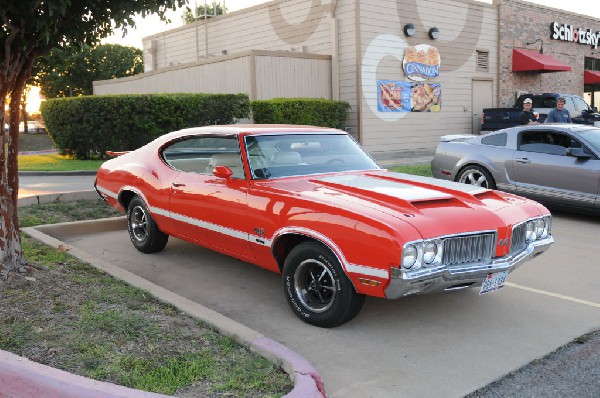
(143, 231)
(316, 287)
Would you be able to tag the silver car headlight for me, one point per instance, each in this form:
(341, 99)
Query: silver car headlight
(410, 255)
(543, 228)
(538, 228)
(530, 234)
(430, 252)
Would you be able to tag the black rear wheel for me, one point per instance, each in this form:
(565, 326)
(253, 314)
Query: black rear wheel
(143, 231)
(316, 287)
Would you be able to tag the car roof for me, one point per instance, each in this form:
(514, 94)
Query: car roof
(573, 127)
(258, 129)
(252, 129)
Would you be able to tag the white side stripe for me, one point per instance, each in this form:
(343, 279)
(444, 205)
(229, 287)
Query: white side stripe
(369, 271)
(259, 240)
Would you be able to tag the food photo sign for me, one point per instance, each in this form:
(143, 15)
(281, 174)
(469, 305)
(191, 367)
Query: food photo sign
(421, 63)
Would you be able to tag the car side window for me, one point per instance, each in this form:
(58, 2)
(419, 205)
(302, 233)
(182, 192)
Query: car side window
(570, 106)
(581, 105)
(494, 139)
(546, 141)
(202, 154)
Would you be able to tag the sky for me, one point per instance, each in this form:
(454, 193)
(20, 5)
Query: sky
(152, 24)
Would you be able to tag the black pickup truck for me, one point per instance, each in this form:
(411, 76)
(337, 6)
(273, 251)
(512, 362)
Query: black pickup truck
(499, 118)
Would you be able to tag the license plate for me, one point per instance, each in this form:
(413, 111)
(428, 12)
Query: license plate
(493, 282)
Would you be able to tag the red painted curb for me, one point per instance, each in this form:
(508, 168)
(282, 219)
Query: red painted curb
(22, 378)
(307, 381)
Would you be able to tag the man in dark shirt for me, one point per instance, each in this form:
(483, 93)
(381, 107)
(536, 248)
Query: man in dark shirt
(527, 116)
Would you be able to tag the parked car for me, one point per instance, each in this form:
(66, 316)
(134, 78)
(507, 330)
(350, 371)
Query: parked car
(499, 118)
(33, 127)
(556, 164)
(309, 203)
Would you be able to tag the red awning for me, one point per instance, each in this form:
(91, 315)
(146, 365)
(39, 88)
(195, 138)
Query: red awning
(531, 60)
(591, 76)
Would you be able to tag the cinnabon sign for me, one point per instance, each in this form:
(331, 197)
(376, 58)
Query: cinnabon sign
(566, 32)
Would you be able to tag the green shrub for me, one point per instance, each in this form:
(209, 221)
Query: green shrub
(88, 126)
(304, 111)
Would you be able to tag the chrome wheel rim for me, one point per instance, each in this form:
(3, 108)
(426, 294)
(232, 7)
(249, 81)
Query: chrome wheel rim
(474, 177)
(314, 285)
(139, 224)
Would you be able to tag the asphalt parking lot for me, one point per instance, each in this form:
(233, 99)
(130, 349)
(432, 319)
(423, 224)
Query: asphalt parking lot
(423, 346)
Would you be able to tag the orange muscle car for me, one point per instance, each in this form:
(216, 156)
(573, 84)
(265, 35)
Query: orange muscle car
(309, 203)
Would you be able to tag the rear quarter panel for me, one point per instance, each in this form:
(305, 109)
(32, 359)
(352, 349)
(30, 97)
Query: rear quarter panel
(451, 157)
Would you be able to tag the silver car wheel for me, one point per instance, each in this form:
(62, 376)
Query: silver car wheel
(139, 224)
(474, 177)
(314, 284)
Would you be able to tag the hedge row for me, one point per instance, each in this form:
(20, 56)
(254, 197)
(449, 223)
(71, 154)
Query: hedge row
(89, 126)
(305, 111)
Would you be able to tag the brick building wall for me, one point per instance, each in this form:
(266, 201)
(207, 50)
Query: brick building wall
(521, 23)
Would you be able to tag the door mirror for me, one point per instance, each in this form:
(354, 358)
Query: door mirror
(578, 153)
(594, 109)
(222, 172)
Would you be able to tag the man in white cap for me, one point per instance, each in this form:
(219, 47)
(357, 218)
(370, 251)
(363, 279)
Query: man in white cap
(527, 116)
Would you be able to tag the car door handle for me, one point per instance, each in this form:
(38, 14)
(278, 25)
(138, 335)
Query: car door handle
(178, 184)
(523, 160)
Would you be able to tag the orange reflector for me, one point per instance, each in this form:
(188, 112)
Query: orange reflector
(369, 282)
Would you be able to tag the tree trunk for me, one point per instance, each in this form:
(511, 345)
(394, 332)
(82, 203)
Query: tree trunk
(11, 251)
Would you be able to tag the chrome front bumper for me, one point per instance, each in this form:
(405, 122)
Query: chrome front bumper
(442, 278)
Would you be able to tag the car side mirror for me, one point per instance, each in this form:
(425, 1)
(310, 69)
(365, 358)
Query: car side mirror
(594, 109)
(578, 153)
(222, 172)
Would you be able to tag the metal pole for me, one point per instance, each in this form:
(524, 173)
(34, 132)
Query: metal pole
(205, 30)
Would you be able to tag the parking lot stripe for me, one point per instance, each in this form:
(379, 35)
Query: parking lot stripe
(559, 296)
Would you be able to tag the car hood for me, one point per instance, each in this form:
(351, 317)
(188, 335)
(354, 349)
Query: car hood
(434, 207)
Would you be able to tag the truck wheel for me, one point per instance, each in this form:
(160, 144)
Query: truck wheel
(476, 175)
(316, 287)
(143, 231)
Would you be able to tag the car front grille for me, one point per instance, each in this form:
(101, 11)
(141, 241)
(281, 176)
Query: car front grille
(467, 249)
(517, 240)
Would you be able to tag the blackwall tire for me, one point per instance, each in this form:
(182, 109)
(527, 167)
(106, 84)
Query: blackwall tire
(143, 231)
(316, 287)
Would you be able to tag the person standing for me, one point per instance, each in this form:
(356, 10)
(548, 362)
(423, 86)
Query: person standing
(559, 114)
(527, 116)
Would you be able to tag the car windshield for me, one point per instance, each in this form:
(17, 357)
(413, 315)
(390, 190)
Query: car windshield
(286, 155)
(592, 137)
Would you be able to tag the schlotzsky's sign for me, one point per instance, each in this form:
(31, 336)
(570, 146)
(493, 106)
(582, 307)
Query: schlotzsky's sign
(566, 32)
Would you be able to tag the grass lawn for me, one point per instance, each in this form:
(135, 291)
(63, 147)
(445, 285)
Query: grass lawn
(420, 169)
(71, 316)
(56, 162)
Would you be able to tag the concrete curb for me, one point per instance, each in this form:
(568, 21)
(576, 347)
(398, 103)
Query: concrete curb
(59, 173)
(307, 382)
(57, 197)
(22, 378)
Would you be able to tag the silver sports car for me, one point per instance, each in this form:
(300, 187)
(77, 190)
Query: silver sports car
(556, 164)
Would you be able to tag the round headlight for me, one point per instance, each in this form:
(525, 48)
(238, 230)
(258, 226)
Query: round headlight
(430, 251)
(540, 227)
(409, 256)
(530, 234)
(546, 229)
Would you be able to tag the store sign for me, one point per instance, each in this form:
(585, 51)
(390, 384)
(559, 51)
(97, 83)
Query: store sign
(421, 62)
(566, 32)
(398, 96)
